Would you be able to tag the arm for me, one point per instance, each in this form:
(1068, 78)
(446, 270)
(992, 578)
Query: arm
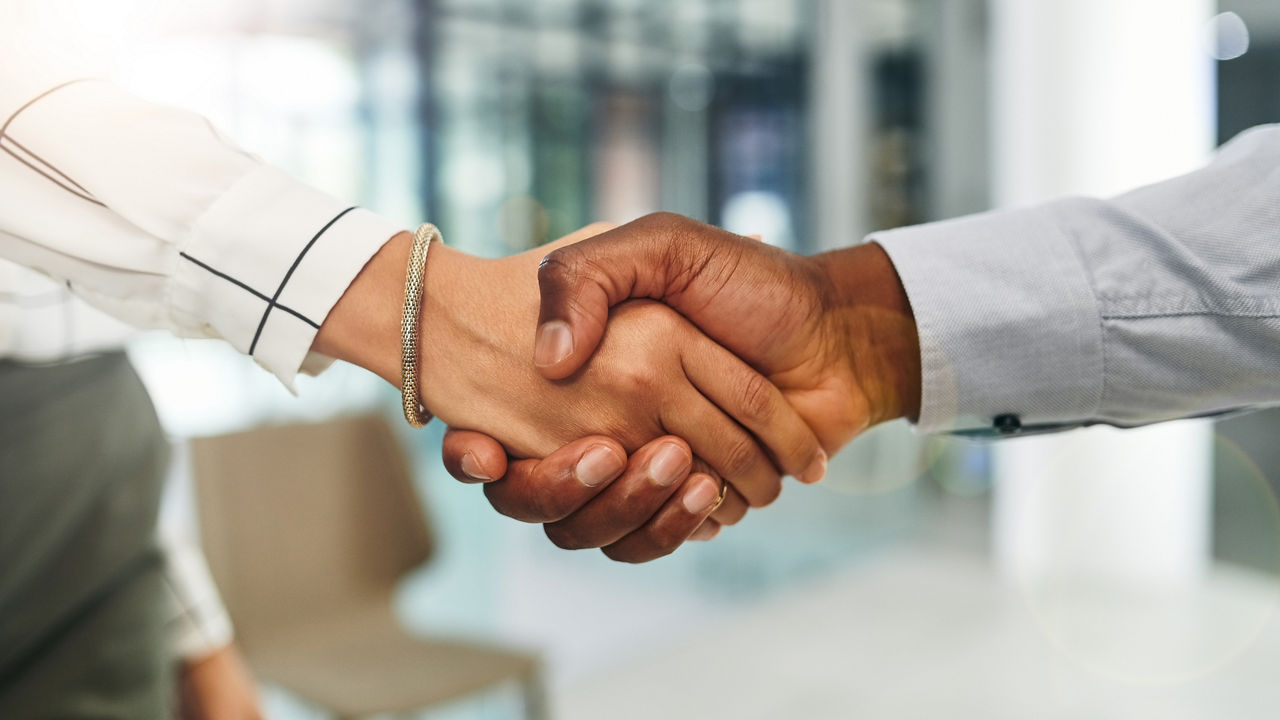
(217, 686)
(1173, 284)
(213, 681)
(149, 214)
(199, 624)
(1158, 304)
(993, 324)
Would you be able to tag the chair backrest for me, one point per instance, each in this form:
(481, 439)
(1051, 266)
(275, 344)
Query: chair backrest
(304, 522)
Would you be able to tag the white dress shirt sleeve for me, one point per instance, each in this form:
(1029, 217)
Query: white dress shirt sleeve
(198, 621)
(1158, 304)
(148, 213)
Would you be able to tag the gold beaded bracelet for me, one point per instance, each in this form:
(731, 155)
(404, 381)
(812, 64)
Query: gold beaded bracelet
(414, 280)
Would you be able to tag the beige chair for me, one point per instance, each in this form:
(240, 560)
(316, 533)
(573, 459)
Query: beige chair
(308, 528)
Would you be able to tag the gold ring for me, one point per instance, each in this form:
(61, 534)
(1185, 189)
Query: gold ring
(724, 493)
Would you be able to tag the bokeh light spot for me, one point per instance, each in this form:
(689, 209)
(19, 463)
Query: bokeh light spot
(1228, 36)
(691, 87)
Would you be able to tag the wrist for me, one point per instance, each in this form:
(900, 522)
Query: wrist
(363, 328)
(474, 336)
(457, 321)
(869, 309)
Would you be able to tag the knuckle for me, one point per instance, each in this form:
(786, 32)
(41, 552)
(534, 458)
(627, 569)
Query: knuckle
(652, 315)
(644, 380)
(559, 266)
(756, 395)
(552, 506)
(551, 509)
(670, 323)
(639, 381)
(533, 505)
(740, 458)
(666, 336)
(664, 217)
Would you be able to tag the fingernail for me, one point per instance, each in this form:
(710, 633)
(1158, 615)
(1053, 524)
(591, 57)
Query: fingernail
(554, 343)
(816, 470)
(702, 497)
(706, 531)
(668, 465)
(471, 468)
(599, 465)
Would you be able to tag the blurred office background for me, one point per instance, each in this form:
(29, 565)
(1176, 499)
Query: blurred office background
(811, 122)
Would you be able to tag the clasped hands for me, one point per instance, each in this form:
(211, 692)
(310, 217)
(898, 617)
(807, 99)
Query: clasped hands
(670, 359)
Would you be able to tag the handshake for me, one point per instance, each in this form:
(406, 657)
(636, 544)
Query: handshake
(677, 372)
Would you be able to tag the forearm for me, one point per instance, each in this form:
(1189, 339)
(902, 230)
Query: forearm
(465, 316)
(1155, 305)
(217, 686)
(149, 214)
(1186, 274)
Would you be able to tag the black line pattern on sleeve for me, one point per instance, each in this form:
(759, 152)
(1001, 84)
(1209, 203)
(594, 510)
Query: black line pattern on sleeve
(74, 187)
(47, 176)
(47, 164)
(5, 128)
(226, 277)
(273, 302)
(243, 286)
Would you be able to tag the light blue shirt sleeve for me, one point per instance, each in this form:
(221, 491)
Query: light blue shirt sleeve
(1162, 303)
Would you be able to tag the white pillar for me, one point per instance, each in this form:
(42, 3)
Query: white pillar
(839, 121)
(1095, 97)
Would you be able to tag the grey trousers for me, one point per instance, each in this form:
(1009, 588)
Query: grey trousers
(82, 461)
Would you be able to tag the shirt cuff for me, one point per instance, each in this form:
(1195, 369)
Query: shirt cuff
(198, 621)
(1010, 329)
(266, 263)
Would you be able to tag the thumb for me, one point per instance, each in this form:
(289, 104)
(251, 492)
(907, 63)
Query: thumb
(659, 256)
(580, 282)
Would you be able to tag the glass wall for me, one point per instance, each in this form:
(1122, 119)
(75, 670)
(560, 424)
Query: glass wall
(548, 116)
(1246, 41)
